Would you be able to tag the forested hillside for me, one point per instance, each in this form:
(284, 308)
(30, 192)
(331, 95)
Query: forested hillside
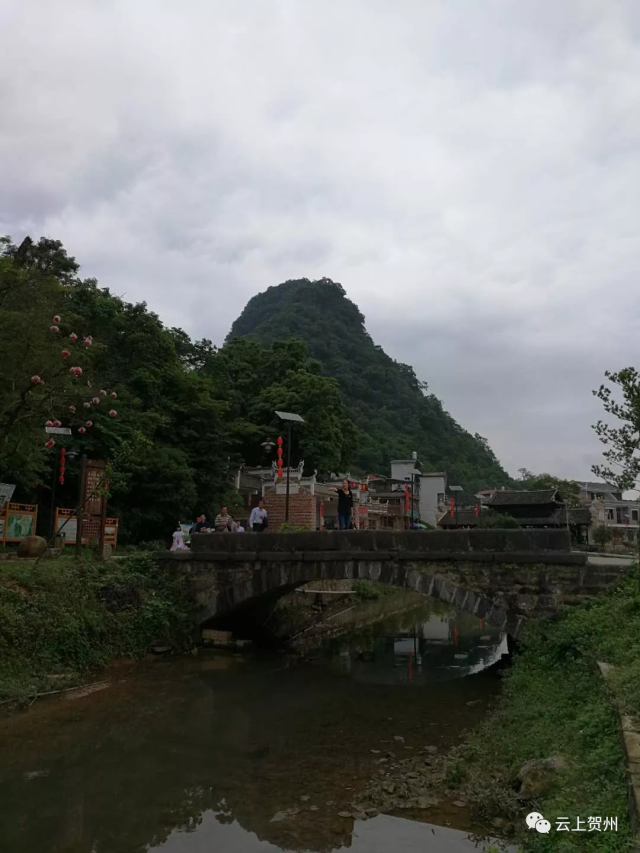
(393, 409)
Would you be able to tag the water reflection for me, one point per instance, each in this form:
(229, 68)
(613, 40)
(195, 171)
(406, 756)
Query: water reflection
(209, 753)
(419, 647)
(383, 834)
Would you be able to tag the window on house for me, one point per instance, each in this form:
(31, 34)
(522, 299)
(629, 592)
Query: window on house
(440, 497)
(634, 515)
(609, 515)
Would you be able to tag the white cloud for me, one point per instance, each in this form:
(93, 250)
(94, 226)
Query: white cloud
(468, 171)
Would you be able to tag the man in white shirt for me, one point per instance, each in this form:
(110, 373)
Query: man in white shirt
(258, 520)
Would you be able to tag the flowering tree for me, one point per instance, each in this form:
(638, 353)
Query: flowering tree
(45, 371)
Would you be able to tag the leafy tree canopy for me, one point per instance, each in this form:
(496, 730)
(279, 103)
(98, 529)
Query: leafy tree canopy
(620, 397)
(569, 490)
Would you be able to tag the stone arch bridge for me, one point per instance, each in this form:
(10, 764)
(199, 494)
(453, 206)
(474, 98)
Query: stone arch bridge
(501, 576)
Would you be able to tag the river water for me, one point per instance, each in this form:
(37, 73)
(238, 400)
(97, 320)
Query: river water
(256, 753)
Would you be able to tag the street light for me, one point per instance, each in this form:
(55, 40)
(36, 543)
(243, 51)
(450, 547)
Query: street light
(289, 418)
(456, 490)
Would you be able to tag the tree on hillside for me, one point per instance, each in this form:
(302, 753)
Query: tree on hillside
(258, 381)
(621, 399)
(569, 490)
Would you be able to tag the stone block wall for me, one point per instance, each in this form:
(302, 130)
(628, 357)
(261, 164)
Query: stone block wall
(302, 510)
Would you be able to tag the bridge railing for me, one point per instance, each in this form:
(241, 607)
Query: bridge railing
(413, 541)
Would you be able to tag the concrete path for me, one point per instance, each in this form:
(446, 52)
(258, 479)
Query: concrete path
(609, 560)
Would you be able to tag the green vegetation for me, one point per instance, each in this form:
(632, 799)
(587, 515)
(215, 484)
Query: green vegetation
(555, 703)
(188, 413)
(621, 398)
(58, 619)
(371, 591)
(392, 408)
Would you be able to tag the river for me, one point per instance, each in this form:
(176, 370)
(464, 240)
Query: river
(253, 753)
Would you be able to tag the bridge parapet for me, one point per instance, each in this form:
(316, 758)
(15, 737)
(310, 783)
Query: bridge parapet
(426, 543)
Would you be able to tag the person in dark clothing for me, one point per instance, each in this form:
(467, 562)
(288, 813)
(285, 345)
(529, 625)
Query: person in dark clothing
(201, 524)
(345, 505)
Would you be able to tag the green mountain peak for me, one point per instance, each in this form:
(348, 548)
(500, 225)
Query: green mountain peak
(392, 408)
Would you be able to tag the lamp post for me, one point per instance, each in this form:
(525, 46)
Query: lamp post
(456, 490)
(289, 418)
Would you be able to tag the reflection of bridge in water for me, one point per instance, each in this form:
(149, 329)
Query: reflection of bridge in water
(438, 649)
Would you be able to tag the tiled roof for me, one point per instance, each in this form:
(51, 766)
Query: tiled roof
(600, 488)
(507, 497)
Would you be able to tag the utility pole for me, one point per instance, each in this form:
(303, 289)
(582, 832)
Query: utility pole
(286, 504)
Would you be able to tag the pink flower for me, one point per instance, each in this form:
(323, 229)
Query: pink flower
(89, 423)
(57, 424)
(35, 379)
(65, 353)
(72, 409)
(81, 430)
(54, 329)
(49, 424)
(77, 371)
(96, 401)
(88, 342)
(56, 319)
(88, 383)
(73, 337)
(87, 405)
(114, 395)
(103, 393)
(49, 444)
(112, 413)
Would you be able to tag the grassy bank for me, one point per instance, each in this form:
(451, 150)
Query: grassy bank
(554, 703)
(58, 620)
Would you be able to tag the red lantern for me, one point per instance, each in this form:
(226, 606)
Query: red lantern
(63, 452)
(73, 337)
(452, 506)
(279, 442)
(54, 329)
(280, 462)
(56, 319)
(65, 353)
(279, 472)
(61, 479)
(113, 413)
(279, 452)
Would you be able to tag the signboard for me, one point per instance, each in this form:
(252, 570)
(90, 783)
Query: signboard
(6, 493)
(67, 525)
(17, 521)
(58, 430)
(90, 534)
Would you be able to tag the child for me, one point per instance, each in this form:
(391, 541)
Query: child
(178, 540)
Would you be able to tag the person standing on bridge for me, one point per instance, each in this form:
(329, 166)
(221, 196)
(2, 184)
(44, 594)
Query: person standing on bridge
(345, 505)
(258, 520)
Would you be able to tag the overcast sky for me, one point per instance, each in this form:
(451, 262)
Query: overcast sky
(469, 171)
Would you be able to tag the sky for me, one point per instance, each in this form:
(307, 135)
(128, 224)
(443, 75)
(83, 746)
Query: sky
(468, 171)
